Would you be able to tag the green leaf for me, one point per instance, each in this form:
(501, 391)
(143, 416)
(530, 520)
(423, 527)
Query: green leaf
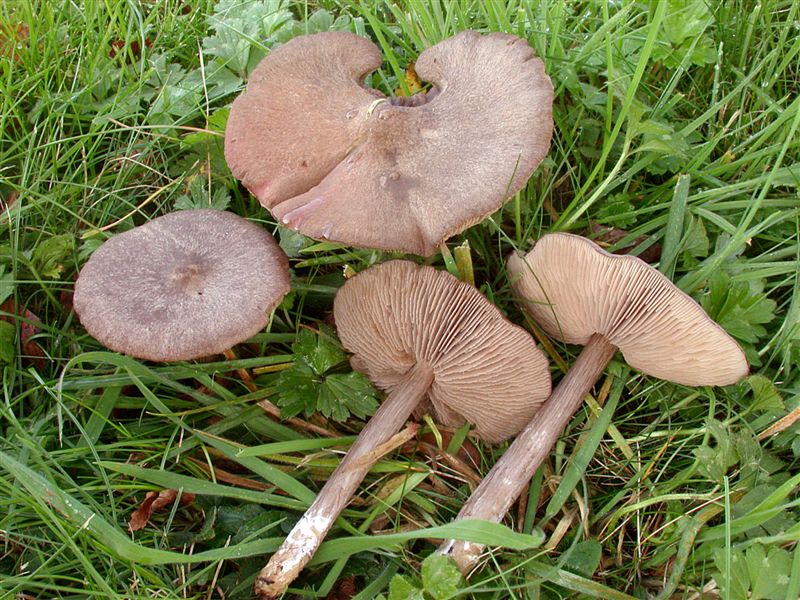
(206, 146)
(714, 462)
(766, 397)
(322, 20)
(214, 129)
(220, 81)
(199, 196)
(685, 20)
(401, 589)
(583, 558)
(7, 284)
(750, 502)
(321, 352)
(584, 586)
(754, 574)
(661, 139)
(685, 30)
(741, 308)
(696, 242)
(292, 242)
(297, 390)
(308, 387)
(612, 209)
(441, 577)
(341, 394)
(8, 344)
(242, 29)
(49, 255)
(175, 93)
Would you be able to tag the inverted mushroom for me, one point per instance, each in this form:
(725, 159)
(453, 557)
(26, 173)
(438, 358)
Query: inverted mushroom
(581, 294)
(334, 160)
(434, 343)
(184, 285)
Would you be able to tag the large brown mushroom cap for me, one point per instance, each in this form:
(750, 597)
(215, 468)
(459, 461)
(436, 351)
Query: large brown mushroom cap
(392, 176)
(297, 120)
(184, 285)
(573, 288)
(486, 370)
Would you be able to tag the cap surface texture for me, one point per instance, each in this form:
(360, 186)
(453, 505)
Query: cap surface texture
(185, 285)
(487, 371)
(574, 288)
(374, 172)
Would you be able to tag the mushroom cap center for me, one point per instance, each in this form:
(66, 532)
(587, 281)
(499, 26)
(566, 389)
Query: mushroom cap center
(191, 277)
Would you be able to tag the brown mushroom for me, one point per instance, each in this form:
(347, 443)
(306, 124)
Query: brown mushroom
(334, 160)
(423, 336)
(581, 294)
(182, 286)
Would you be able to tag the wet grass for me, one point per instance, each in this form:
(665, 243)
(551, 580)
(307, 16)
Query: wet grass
(676, 127)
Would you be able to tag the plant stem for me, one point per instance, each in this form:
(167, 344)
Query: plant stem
(505, 482)
(307, 535)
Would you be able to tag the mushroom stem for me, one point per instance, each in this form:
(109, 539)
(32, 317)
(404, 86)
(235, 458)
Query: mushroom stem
(303, 541)
(506, 480)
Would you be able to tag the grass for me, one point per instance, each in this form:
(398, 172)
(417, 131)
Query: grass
(676, 123)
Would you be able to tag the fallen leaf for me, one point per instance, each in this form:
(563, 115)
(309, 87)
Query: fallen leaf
(412, 82)
(135, 48)
(66, 299)
(8, 201)
(29, 326)
(344, 589)
(608, 236)
(12, 38)
(154, 501)
(231, 478)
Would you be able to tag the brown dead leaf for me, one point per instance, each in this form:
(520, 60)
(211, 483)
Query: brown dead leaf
(467, 452)
(154, 501)
(29, 326)
(608, 236)
(344, 589)
(7, 201)
(231, 478)
(135, 48)
(412, 82)
(12, 39)
(780, 425)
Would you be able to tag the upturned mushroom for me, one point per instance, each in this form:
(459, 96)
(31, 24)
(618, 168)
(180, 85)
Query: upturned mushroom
(335, 160)
(434, 344)
(182, 286)
(581, 294)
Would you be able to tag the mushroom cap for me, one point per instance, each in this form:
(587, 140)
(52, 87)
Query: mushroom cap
(336, 161)
(574, 288)
(296, 121)
(486, 370)
(185, 285)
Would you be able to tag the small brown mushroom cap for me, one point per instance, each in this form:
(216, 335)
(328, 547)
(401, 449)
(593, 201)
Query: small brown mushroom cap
(486, 370)
(185, 285)
(573, 288)
(391, 173)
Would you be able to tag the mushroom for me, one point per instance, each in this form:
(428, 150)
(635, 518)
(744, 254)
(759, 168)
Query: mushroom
(433, 343)
(581, 294)
(184, 285)
(335, 160)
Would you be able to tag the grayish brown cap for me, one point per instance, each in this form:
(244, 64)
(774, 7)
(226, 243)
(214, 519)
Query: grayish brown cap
(398, 174)
(573, 288)
(185, 285)
(486, 370)
(297, 120)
